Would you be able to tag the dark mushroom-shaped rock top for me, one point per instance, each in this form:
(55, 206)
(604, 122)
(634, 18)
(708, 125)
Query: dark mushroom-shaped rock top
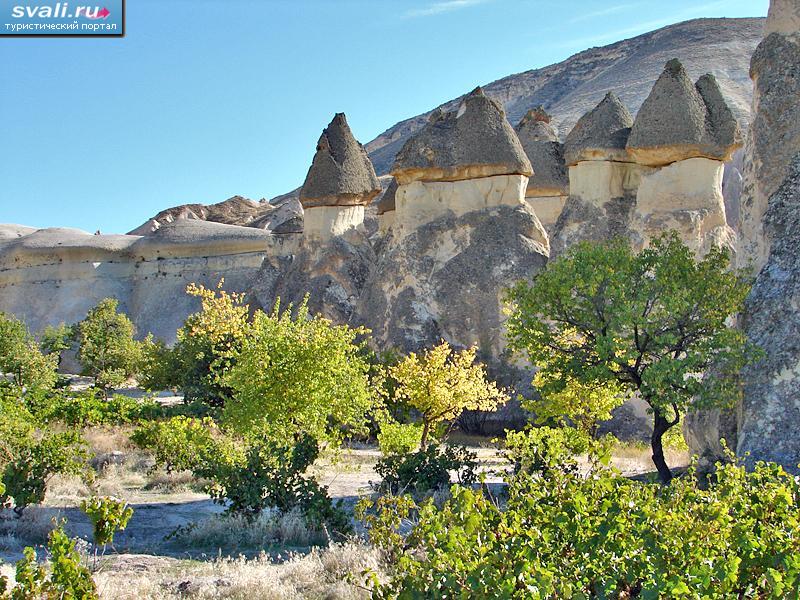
(600, 134)
(681, 120)
(540, 142)
(386, 203)
(475, 141)
(342, 173)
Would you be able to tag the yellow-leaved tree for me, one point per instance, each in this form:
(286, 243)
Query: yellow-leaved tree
(442, 383)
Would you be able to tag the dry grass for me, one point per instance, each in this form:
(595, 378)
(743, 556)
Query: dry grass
(235, 532)
(333, 573)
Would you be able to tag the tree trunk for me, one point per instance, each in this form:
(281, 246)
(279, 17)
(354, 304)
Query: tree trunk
(423, 442)
(660, 426)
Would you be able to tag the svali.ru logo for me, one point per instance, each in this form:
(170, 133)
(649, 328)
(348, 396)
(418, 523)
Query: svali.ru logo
(60, 11)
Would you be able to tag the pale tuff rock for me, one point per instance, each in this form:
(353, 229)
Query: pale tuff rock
(335, 257)
(685, 196)
(421, 202)
(386, 203)
(774, 130)
(446, 280)
(56, 275)
(783, 18)
(541, 145)
(679, 120)
(9, 231)
(341, 173)
(475, 141)
(771, 408)
(332, 274)
(600, 134)
(385, 208)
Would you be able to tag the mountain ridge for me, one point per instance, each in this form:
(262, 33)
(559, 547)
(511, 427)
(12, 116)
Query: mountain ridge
(568, 89)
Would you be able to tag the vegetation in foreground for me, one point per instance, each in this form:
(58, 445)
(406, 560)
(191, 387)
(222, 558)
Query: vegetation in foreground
(268, 394)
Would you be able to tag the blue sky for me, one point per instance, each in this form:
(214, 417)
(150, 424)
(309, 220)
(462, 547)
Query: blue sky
(206, 99)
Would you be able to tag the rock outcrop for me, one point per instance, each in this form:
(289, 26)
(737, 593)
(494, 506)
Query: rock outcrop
(462, 231)
(548, 187)
(334, 258)
(56, 275)
(602, 178)
(465, 160)
(281, 216)
(770, 409)
(775, 128)
(662, 171)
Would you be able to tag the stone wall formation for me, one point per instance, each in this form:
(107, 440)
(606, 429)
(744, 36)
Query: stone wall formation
(473, 204)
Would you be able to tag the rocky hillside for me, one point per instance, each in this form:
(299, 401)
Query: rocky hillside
(572, 87)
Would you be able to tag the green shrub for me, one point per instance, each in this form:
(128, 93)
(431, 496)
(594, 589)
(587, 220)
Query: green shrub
(207, 346)
(426, 470)
(398, 438)
(299, 375)
(68, 579)
(88, 409)
(441, 383)
(21, 357)
(543, 450)
(108, 515)
(603, 536)
(106, 348)
(25, 477)
(247, 474)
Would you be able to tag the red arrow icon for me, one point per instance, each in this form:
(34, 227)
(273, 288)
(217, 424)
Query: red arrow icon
(102, 14)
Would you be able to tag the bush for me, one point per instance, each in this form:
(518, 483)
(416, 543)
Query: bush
(21, 357)
(106, 348)
(543, 450)
(398, 438)
(604, 536)
(299, 375)
(206, 349)
(88, 409)
(442, 383)
(427, 469)
(25, 477)
(246, 474)
(68, 578)
(108, 515)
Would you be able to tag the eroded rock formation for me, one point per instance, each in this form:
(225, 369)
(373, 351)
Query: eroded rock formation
(56, 275)
(548, 187)
(334, 257)
(662, 171)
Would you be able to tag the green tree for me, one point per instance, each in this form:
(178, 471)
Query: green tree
(56, 339)
(206, 349)
(652, 322)
(107, 349)
(21, 357)
(299, 374)
(578, 404)
(442, 383)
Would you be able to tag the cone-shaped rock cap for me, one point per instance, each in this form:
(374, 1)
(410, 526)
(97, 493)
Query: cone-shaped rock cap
(386, 203)
(342, 173)
(600, 134)
(475, 141)
(681, 120)
(540, 142)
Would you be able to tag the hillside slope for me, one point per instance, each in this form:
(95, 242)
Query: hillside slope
(629, 68)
